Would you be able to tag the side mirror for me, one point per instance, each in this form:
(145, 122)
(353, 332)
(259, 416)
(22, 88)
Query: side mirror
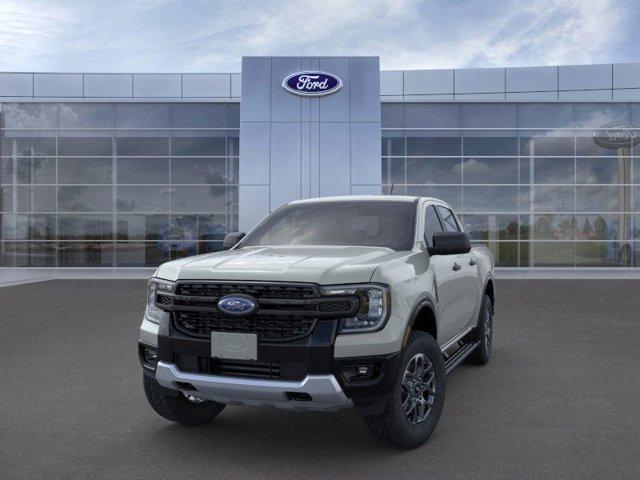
(231, 239)
(449, 243)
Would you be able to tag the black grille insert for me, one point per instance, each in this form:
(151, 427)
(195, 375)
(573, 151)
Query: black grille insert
(272, 328)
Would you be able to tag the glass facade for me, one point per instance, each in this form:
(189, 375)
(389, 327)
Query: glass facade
(116, 184)
(528, 178)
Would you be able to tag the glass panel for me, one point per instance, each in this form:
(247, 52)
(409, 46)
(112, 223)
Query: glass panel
(603, 199)
(434, 170)
(147, 146)
(525, 254)
(199, 115)
(585, 145)
(85, 170)
(546, 144)
(37, 254)
(554, 227)
(449, 222)
(233, 170)
(635, 233)
(233, 143)
(393, 170)
(451, 195)
(490, 199)
(205, 145)
(36, 170)
(490, 170)
(142, 170)
(525, 226)
(603, 170)
(142, 115)
(598, 114)
(433, 143)
(554, 199)
(209, 247)
(233, 112)
(35, 227)
(183, 227)
(143, 199)
(199, 170)
(199, 199)
(142, 227)
(505, 254)
(6, 170)
(491, 227)
(552, 254)
(93, 115)
(32, 146)
(36, 199)
(85, 227)
(211, 227)
(490, 115)
(91, 146)
(392, 115)
(432, 115)
(603, 227)
(525, 172)
(30, 115)
(80, 254)
(603, 254)
(85, 199)
(553, 170)
(141, 254)
(431, 224)
(490, 143)
(545, 115)
(392, 143)
(6, 199)
(182, 249)
(636, 170)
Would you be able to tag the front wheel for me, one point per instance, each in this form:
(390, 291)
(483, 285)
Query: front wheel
(417, 398)
(180, 408)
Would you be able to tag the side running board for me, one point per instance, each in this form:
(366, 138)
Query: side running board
(451, 362)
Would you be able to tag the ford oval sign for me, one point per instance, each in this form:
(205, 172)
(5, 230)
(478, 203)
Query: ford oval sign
(237, 305)
(617, 135)
(312, 84)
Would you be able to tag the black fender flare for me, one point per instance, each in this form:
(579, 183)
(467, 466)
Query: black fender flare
(424, 300)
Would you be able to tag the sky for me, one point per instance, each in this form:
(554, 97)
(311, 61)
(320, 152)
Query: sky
(212, 36)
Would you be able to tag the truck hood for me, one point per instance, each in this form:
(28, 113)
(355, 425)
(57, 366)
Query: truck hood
(316, 264)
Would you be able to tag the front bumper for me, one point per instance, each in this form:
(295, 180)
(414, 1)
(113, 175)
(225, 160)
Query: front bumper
(314, 392)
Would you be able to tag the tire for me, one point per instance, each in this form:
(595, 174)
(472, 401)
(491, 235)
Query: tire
(483, 333)
(394, 426)
(178, 408)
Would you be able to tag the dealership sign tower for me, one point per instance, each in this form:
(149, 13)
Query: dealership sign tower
(310, 126)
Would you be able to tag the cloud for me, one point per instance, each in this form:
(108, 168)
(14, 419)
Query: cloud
(169, 36)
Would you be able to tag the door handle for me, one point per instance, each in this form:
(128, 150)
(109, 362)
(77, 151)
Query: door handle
(473, 262)
(456, 267)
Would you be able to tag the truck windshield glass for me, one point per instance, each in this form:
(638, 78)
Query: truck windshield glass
(361, 223)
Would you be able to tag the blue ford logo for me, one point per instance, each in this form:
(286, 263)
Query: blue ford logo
(312, 84)
(237, 305)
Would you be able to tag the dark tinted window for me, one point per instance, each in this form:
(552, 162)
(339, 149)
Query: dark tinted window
(431, 225)
(362, 223)
(449, 222)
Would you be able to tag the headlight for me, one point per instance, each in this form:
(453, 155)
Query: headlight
(374, 307)
(152, 312)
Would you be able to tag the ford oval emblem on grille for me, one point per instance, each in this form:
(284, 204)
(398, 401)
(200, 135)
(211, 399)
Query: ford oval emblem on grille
(312, 83)
(237, 305)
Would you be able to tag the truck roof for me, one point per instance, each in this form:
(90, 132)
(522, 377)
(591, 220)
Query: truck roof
(356, 198)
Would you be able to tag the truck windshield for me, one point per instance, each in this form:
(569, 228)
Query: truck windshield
(356, 223)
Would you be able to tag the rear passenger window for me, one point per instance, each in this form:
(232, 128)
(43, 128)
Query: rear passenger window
(431, 225)
(449, 222)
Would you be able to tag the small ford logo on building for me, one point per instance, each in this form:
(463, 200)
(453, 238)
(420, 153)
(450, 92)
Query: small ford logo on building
(616, 135)
(237, 305)
(312, 83)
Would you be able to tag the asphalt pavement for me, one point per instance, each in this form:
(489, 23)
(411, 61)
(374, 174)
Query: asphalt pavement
(558, 400)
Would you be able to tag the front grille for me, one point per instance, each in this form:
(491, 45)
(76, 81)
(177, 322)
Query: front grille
(227, 368)
(259, 291)
(267, 327)
(285, 311)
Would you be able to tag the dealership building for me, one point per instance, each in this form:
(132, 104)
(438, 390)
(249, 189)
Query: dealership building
(131, 170)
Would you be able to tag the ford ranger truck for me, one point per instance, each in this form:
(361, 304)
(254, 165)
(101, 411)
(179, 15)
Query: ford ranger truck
(330, 303)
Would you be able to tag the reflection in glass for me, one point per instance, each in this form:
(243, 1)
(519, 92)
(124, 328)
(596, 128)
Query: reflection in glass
(199, 170)
(36, 199)
(36, 254)
(426, 144)
(432, 115)
(603, 254)
(142, 115)
(204, 146)
(146, 146)
(33, 146)
(602, 226)
(142, 227)
(491, 227)
(451, 195)
(35, 227)
(554, 227)
(490, 199)
(143, 199)
(546, 144)
(36, 170)
(490, 144)
(81, 254)
(603, 170)
(434, 170)
(85, 227)
(83, 115)
(199, 115)
(553, 170)
(142, 170)
(552, 254)
(138, 254)
(200, 199)
(603, 199)
(392, 143)
(85, 199)
(30, 115)
(553, 199)
(490, 170)
(545, 115)
(393, 171)
(85, 170)
(93, 146)
(392, 115)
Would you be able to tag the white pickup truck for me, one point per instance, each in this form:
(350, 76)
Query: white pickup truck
(328, 303)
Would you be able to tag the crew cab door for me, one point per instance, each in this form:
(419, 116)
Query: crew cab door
(456, 276)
